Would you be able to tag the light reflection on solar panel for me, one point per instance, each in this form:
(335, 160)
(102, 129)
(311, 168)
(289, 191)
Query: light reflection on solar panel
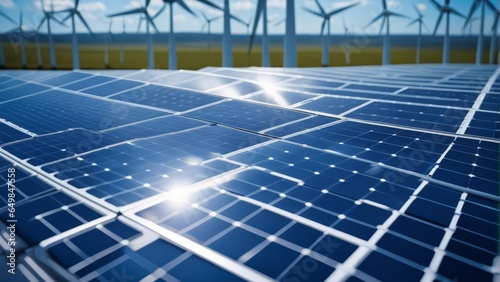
(348, 174)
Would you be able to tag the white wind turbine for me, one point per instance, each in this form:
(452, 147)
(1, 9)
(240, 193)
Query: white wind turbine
(325, 58)
(445, 9)
(2, 57)
(47, 17)
(385, 15)
(122, 41)
(107, 37)
(420, 21)
(347, 45)
(480, 40)
(72, 13)
(208, 24)
(494, 29)
(149, 21)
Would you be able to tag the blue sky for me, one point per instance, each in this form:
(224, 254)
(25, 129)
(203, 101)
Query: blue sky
(95, 11)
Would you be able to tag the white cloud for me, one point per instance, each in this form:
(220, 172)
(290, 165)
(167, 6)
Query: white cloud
(180, 18)
(393, 4)
(57, 4)
(422, 7)
(276, 3)
(7, 4)
(242, 5)
(341, 4)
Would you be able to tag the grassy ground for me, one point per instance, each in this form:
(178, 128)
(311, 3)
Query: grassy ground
(92, 57)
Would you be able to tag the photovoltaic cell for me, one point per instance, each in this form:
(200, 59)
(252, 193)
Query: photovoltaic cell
(402, 186)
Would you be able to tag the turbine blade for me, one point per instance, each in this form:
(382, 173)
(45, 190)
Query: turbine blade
(313, 12)
(320, 8)
(413, 22)
(436, 4)
(7, 17)
(183, 5)
(208, 3)
(148, 18)
(374, 20)
(398, 15)
(139, 27)
(41, 23)
(204, 16)
(495, 22)
(417, 10)
(130, 12)
(43, 5)
(258, 12)
(438, 23)
(21, 19)
(67, 17)
(342, 9)
(160, 11)
(84, 22)
(76, 3)
(279, 22)
(425, 26)
(491, 6)
(457, 13)
(147, 3)
(203, 26)
(473, 8)
(384, 3)
(238, 20)
(382, 26)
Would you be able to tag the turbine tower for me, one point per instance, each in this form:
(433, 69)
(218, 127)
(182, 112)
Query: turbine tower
(325, 58)
(122, 41)
(347, 47)
(494, 29)
(208, 24)
(290, 40)
(445, 9)
(261, 10)
(421, 23)
(480, 40)
(149, 21)
(106, 44)
(72, 12)
(385, 15)
(2, 57)
(47, 16)
(227, 53)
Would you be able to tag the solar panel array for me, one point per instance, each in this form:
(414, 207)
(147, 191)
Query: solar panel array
(338, 174)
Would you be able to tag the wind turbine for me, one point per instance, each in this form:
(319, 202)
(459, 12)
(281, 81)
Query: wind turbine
(106, 47)
(47, 16)
(122, 41)
(208, 23)
(2, 57)
(480, 43)
(421, 23)
(385, 15)
(471, 23)
(149, 21)
(21, 39)
(261, 10)
(326, 21)
(445, 9)
(290, 40)
(494, 29)
(347, 47)
(72, 12)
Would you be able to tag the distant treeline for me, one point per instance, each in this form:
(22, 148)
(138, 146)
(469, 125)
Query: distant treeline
(199, 39)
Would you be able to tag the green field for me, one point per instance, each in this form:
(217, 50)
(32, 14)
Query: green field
(193, 58)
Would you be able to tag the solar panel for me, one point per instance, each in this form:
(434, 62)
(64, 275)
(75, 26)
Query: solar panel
(255, 174)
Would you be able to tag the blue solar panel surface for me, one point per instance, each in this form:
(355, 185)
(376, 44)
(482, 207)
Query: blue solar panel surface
(313, 174)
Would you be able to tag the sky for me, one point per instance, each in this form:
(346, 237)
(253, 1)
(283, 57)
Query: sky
(356, 18)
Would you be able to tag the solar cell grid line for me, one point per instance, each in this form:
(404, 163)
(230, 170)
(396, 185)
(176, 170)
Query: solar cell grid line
(87, 82)
(64, 78)
(113, 87)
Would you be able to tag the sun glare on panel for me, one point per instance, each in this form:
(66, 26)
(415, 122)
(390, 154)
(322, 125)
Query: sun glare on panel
(272, 93)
